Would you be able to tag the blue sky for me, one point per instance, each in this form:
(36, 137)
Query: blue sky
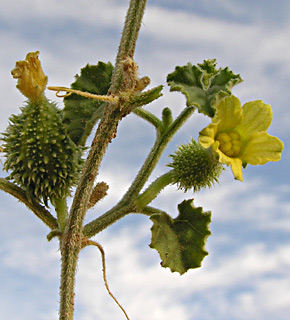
(246, 275)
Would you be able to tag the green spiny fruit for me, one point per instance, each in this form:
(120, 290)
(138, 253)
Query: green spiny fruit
(194, 167)
(39, 154)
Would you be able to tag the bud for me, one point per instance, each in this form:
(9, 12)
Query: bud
(98, 193)
(194, 167)
(31, 79)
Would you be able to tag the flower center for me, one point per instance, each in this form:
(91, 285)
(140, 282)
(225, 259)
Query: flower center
(230, 143)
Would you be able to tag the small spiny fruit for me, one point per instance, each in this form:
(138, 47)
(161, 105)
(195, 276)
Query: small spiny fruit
(194, 167)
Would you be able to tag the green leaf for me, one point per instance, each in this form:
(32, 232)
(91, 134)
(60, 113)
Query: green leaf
(203, 84)
(80, 113)
(180, 241)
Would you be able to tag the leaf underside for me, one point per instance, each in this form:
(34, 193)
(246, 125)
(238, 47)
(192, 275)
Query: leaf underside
(180, 242)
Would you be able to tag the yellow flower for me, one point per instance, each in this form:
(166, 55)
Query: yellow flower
(238, 134)
(31, 79)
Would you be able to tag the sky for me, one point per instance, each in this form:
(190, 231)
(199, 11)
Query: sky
(247, 272)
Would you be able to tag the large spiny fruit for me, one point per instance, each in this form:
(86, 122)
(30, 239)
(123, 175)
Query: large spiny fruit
(39, 154)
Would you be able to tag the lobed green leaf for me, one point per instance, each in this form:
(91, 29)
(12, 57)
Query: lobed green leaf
(80, 113)
(203, 84)
(180, 241)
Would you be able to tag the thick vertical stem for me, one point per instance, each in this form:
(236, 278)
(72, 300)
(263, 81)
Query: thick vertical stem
(128, 41)
(72, 237)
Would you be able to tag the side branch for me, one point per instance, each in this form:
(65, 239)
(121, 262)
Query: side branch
(155, 154)
(148, 116)
(125, 206)
(31, 203)
(113, 215)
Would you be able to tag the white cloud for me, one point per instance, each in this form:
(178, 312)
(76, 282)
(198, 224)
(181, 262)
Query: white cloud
(228, 281)
(34, 257)
(151, 292)
(89, 12)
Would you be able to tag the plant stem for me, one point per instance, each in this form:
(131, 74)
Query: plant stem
(148, 116)
(153, 190)
(61, 211)
(149, 211)
(70, 243)
(88, 95)
(156, 152)
(128, 40)
(31, 203)
(127, 203)
(108, 218)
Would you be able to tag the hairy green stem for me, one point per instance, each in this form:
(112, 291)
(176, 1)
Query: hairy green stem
(128, 40)
(71, 241)
(130, 196)
(153, 190)
(61, 211)
(148, 116)
(122, 208)
(108, 218)
(31, 203)
(149, 211)
(155, 154)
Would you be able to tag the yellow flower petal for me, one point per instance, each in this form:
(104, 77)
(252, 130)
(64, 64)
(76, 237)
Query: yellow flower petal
(228, 114)
(262, 148)
(207, 135)
(235, 163)
(257, 116)
(238, 135)
(31, 79)
(236, 166)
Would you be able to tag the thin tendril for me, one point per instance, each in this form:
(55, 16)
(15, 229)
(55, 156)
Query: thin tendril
(111, 99)
(88, 242)
(62, 95)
